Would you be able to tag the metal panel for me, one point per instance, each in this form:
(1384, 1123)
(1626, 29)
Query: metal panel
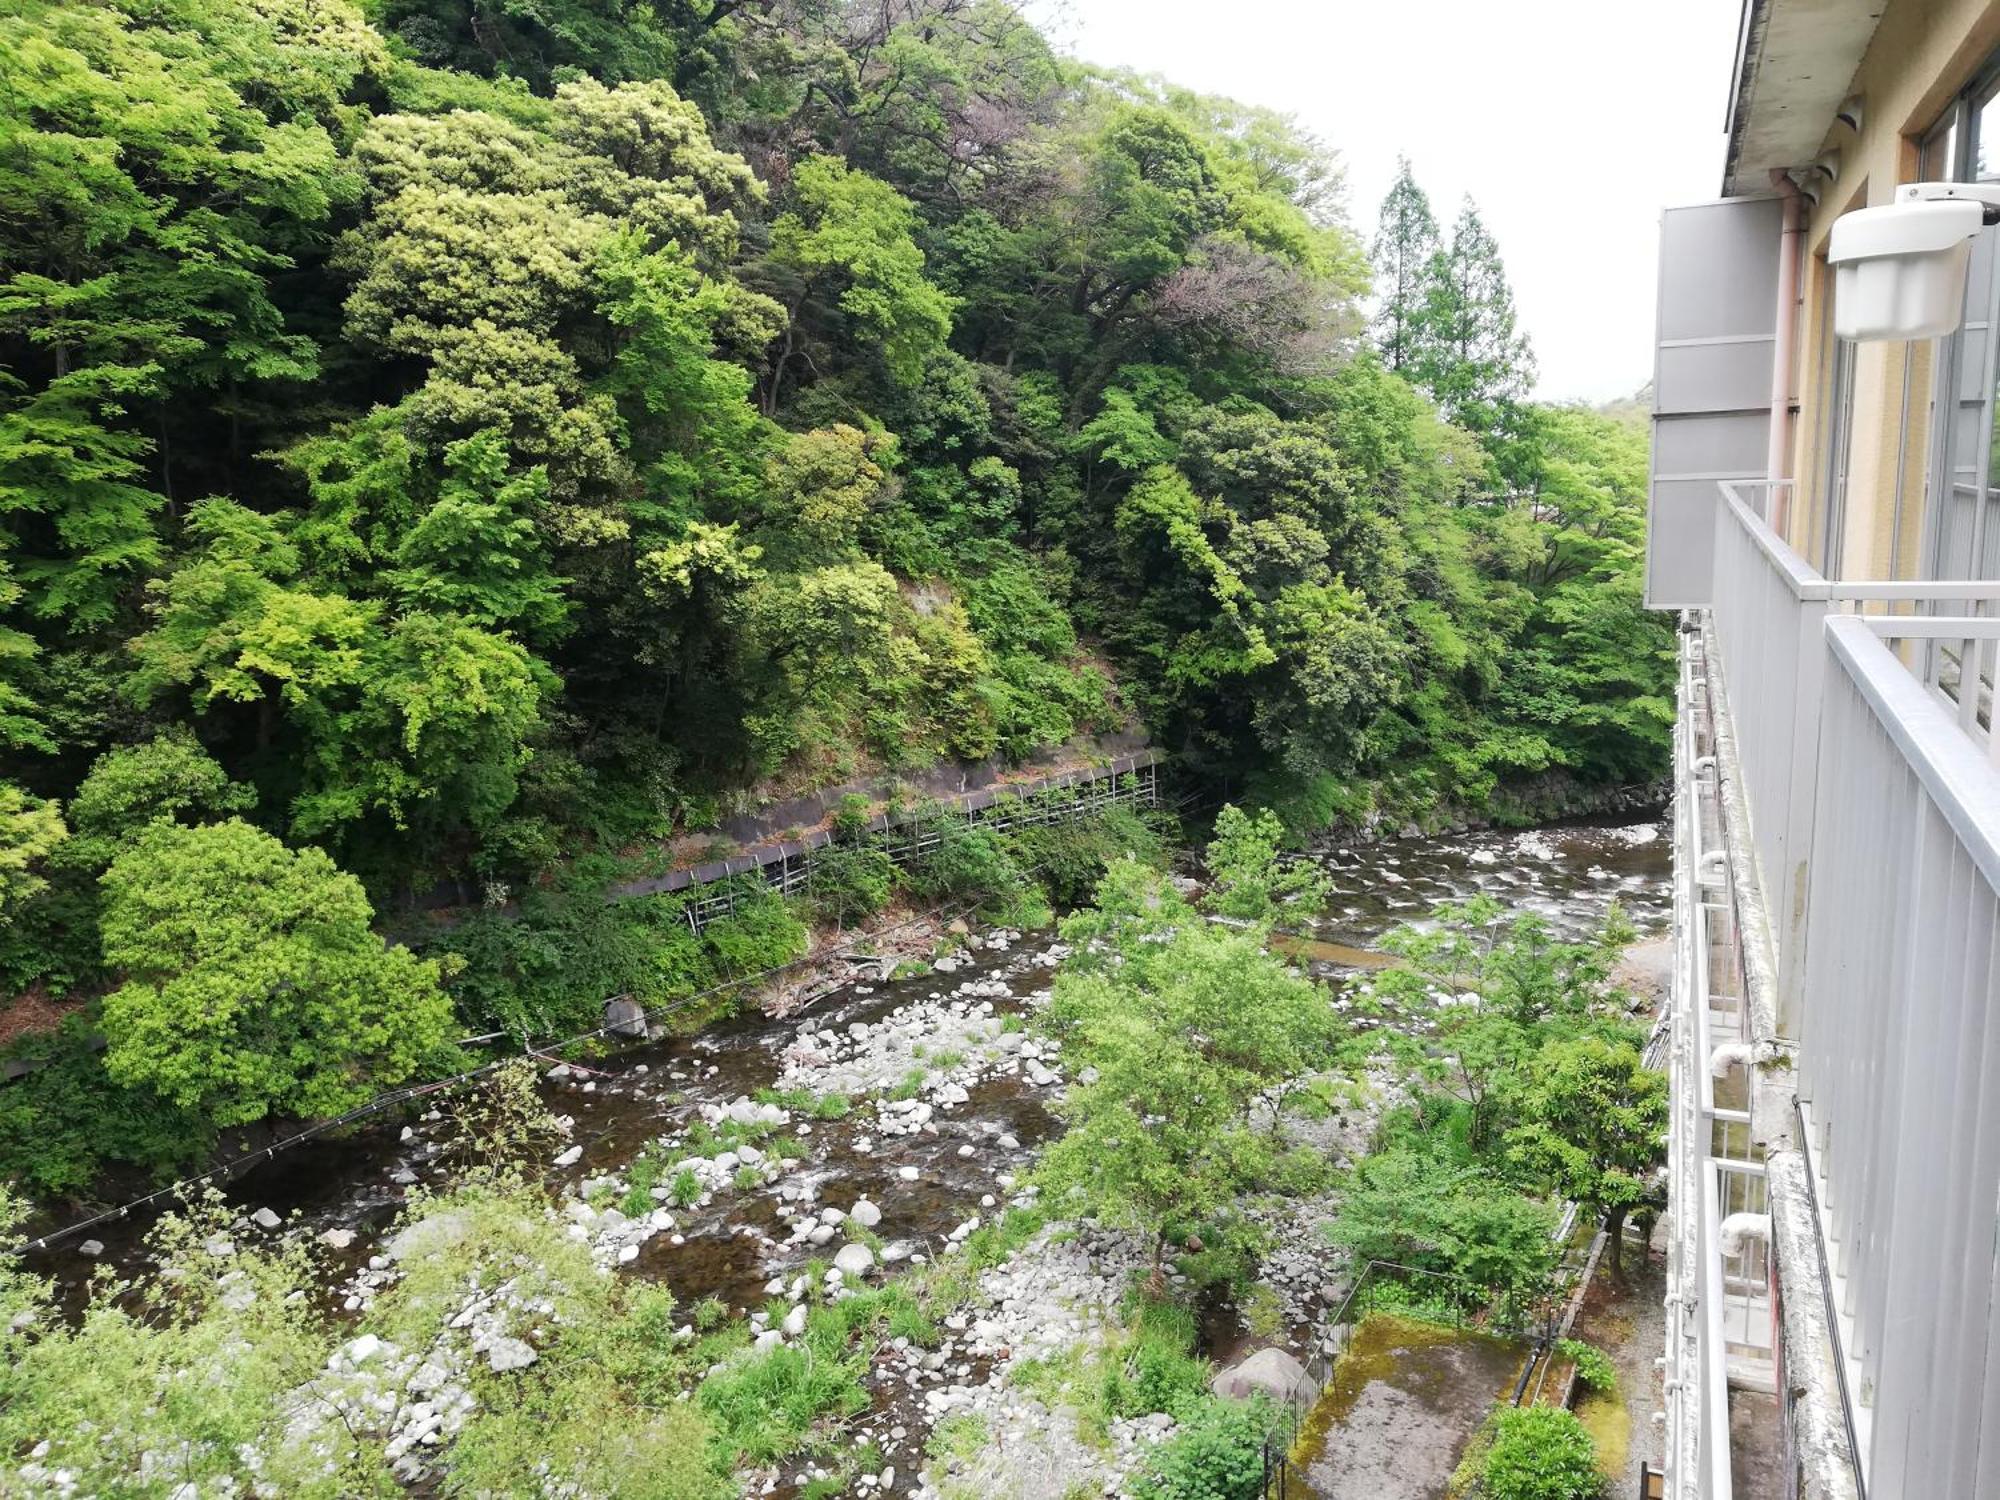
(1904, 918)
(1732, 376)
(1711, 381)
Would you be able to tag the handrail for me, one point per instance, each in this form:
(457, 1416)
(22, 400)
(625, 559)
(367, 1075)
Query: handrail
(1805, 581)
(1949, 765)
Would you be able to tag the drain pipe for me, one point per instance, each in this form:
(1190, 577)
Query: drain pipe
(1784, 353)
(1738, 1230)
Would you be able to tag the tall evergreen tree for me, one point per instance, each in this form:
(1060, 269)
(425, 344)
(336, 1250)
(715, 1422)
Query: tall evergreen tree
(1406, 240)
(1475, 361)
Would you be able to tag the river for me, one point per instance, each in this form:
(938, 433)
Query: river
(978, 1089)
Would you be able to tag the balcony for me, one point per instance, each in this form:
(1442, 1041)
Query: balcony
(1839, 745)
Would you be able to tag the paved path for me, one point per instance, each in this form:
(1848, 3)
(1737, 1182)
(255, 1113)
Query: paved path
(1403, 1401)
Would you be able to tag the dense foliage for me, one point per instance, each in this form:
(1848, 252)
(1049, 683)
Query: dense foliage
(1529, 1090)
(1177, 1028)
(1539, 1453)
(457, 441)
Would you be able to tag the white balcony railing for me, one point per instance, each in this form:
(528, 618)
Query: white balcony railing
(1769, 618)
(1862, 719)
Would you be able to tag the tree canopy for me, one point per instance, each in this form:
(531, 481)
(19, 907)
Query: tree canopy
(476, 443)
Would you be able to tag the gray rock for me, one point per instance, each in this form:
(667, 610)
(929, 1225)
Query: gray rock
(866, 1214)
(91, 1248)
(511, 1354)
(625, 1017)
(265, 1219)
(1269, 1372)
(569, 1157)
(853, 1260)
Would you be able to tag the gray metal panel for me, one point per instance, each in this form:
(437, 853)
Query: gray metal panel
(1729, 443)
(1711, 381)
(1713, 377)
(1719, 268)
(1680, 542)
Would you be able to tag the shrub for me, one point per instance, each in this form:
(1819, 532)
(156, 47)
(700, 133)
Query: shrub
(851, 884)
(762, 933)
(1160, 1371)
(1216, 1455)
(1593, 1365)
(1540, 1453)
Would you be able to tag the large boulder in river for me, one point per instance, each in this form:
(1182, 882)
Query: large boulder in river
(1268, 1372)
(853, 1260)
(625, 1017)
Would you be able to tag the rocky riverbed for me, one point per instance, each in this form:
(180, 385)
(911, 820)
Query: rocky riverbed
(765, 1161)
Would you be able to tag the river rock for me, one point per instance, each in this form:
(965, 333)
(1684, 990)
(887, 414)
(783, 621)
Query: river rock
(1268, 1372)
(569, 1157)
(795, 1322)
(337, 1239)
(265, 1219)
(866, 1214)
(853, 1260)
(91, 1248)
(511, 1354)
(363, 1349)
(625, 1017)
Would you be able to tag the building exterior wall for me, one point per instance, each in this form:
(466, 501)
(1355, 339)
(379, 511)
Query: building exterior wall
(1922, 54)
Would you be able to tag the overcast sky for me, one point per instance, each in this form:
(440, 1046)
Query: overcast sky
(1570, 122)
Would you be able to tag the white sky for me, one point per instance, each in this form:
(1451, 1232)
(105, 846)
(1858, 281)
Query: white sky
(1570, 122)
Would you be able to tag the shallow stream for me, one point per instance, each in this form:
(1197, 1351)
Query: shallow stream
(929, 1162)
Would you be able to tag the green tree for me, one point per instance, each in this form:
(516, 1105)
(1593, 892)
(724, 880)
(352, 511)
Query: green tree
(1172, 1028)
(476, 552)
(252, 984)
(30, 830)
(820, 484)
(1406, 240)
(169, 776)
(1593, 1124)
(1251, 877)
(845, 255)
(1475, 362)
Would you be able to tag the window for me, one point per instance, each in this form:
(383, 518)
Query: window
(1962, 501)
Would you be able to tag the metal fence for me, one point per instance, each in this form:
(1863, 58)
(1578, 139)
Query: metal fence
(1769, 618)
(1900, 1063)
(720, 886)
(1696, 1392)
(1864, 728)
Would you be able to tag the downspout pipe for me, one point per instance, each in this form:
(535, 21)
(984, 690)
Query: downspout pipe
(1784, 351)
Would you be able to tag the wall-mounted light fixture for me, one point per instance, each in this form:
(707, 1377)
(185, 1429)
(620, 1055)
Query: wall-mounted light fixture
(1900, 268)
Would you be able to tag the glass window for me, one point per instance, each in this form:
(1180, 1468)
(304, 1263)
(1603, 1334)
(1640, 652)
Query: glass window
(1962, 500)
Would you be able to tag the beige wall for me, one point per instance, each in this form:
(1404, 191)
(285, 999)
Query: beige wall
(1922, 54)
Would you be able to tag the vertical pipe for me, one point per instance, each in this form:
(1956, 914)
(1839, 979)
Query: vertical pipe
(1784, 353)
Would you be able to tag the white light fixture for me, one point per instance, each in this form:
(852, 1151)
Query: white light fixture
(1900, 268)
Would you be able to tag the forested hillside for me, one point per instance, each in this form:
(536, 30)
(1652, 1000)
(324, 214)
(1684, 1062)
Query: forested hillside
(447, 439)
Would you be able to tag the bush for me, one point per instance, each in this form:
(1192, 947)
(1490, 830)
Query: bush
(967, 862)
(61, 1123)
(851, 884)
(1414, 1208)
(1540, 1453)
(762, 933)
(1218, 1454)
(1160, 1371)
(1593, 1365)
